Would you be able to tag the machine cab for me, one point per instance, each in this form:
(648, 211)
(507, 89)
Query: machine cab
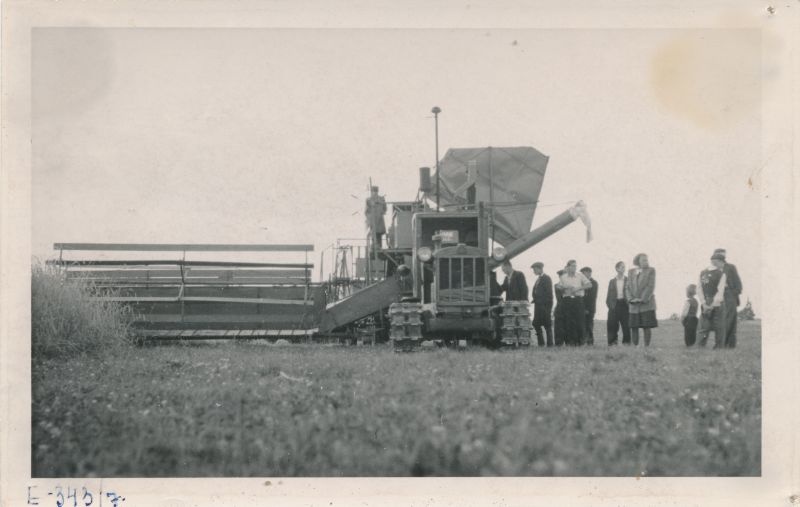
(450, 258)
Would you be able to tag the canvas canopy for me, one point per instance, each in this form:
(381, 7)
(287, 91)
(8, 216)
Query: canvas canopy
(516, 175)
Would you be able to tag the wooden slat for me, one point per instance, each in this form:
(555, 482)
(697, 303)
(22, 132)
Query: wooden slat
(205, 333)
(107, 275)
(221, 333)
(203, 299)
(131, 282)
(230, 272)
(160, 284)
(183, 247)
(175, 262)
(143, 276)
(232, 319)
(246, 281)
(107, 262)
(255, 281)
(139, 299)
(113, 274)
(257, 301)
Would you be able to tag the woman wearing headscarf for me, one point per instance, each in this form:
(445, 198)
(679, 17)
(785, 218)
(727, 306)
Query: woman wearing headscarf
(641, 299)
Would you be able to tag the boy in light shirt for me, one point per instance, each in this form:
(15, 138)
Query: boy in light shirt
(689, 316)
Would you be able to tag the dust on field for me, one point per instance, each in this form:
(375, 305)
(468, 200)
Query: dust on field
(262, 410)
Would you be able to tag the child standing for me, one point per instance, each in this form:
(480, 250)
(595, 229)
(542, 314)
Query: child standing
(689, 316)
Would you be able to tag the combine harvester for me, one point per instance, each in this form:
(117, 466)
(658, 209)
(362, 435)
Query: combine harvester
(436, 275)
(432, 281)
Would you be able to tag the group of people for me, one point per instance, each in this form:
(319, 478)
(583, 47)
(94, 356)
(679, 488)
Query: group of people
(721, 289)
(630, 300)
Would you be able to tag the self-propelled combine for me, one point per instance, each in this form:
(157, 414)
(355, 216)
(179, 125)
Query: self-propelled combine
(435, 276)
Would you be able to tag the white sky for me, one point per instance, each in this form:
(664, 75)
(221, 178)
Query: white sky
(203, 136)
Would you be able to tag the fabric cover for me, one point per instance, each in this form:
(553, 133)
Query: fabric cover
(517, 174)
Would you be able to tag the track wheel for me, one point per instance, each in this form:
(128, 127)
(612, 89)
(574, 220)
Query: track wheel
(515, 329)
(405, 326)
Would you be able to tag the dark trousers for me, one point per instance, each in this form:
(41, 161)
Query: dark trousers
(542, 319)
(731, 319)
(690, 330)
(558, 325)
(574, 318)
(618, 317)
(713, 321)
(588, 328)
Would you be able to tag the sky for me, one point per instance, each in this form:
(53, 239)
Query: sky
(272, 135)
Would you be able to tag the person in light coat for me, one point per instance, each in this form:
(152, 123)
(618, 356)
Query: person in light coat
(642, 299)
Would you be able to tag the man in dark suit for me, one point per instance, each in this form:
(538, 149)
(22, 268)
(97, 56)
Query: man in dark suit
(733, 289)
(542, 296)
(589, 307)
(617, 304)
(514, 285)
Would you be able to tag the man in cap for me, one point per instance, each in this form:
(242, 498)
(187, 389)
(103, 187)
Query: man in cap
(712, 292)
(542, 296)
(733, 289)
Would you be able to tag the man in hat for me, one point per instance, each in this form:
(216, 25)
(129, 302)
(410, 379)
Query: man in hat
(733, 290)
(542, 296)
(375, 210)
(712, 292)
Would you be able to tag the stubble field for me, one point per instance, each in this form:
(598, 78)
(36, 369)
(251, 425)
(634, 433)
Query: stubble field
(253, 409)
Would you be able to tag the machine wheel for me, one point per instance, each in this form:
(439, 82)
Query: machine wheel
(405, 345)
(405, 321)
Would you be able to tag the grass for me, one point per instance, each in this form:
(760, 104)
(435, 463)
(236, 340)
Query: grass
(66, 319)
(259, 410)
